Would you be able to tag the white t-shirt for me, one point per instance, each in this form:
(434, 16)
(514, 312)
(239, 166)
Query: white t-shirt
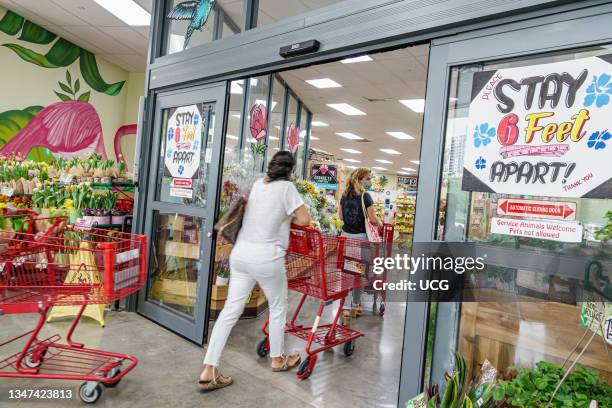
(264, 235)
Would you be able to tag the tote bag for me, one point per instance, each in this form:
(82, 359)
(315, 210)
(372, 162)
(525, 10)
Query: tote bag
(372, 230)
(229, 225)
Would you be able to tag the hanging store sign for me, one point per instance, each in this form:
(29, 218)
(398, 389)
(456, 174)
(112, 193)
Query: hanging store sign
(551, 210)
(183, 148)
(407, 183)
(553, 231)
(325, 176)
(541, 130)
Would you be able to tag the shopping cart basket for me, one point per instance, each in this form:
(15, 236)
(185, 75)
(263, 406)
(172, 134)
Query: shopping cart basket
(325, 268)
(58, 266)
(386, 248)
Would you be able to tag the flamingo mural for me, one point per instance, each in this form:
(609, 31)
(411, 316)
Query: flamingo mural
(65, 127)
(71, 125)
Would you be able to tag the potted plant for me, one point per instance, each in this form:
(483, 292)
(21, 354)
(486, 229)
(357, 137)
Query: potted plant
(223, 274)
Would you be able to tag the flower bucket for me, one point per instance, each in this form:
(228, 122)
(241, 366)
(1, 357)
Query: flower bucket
(73, 215)
(221, 281)
(117, 219)
(101, 219)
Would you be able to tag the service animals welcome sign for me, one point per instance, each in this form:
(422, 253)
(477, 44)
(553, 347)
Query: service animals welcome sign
(543, 130)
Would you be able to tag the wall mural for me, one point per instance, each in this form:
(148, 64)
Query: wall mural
(196, 12)
(70, 126)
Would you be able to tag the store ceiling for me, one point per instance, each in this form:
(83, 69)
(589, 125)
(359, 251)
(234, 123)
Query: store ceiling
(90, 26)
(391, 76)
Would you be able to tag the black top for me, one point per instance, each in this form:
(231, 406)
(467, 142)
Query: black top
(354, 220)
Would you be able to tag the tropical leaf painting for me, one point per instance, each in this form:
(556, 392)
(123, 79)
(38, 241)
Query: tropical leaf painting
(61, 54)
(12, 121)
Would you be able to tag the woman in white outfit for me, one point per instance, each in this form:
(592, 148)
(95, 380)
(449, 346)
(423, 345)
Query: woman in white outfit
(258, 256)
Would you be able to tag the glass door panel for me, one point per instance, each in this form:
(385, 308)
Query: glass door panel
(179, 213)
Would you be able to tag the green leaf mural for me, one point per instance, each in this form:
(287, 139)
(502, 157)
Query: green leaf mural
(30, 56)
(91, 75)
(36, 34)
(62, 53)
(12, 121)
(11, 23)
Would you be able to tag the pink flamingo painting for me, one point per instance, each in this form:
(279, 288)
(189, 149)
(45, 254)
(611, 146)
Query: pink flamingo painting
(65, 127)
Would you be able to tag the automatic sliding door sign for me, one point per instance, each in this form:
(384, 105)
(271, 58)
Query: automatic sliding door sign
(303, 47)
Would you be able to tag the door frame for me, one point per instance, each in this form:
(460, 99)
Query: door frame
(193, 328)
(580, 28)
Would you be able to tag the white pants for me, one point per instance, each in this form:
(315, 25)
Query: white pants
(272, 278)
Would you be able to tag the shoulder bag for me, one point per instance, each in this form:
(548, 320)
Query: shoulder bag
(372, 230)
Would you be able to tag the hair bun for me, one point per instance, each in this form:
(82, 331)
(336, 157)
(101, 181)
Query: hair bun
(280, 166)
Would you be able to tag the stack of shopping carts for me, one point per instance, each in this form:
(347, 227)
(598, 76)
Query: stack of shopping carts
(46, 262)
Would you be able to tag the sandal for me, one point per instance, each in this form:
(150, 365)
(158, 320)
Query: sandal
(286, 365)
(218, 381)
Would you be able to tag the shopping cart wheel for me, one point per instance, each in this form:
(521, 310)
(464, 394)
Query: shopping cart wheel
(32, 363)
(112, 374)
(349, 348)
(89, 393)
(306, 367)
(381, 309)
(263, 348)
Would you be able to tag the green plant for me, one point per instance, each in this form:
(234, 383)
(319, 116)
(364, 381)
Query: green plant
(71, 89)
(605, 233)
(534, 387)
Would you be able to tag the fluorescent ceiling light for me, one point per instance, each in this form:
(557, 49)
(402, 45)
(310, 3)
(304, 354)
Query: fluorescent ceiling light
(351, 167)
(417, 105)
(231, 137)
(384, 161)
(314, 138)
(278, 127)
(127, 11)
(235, 87)
(414, 161)
(236, 115)
(349, 135)
(403, 172)
(362, 58)
(346, 109)
(390, 151)
(302, 133)
(400, 135)
(351, 160)
(318, 123)
(254, 81)
(272, 137)
(353, 151)
(276, 148)
(408, 169)
(379, 168)
(323, 83)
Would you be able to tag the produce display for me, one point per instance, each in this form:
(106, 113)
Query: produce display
(404, 216)
(86, 187)
(237, 180)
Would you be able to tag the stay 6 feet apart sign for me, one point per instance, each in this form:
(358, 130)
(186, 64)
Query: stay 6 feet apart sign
(543, 130)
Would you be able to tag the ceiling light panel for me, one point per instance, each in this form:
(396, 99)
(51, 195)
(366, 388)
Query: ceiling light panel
(383, 161)
(363, 58)
(349, 135)
(400, 135)
(416, 105)
(346, 109)
(352, 151)
(390, 151)
(127, 11)
(318, 123)
(323, 83)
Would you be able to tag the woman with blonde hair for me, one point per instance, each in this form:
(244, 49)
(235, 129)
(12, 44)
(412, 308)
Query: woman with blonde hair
(354, 203)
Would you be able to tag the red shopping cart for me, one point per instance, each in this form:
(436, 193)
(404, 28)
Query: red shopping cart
(325, 268)
(50, 263)
(386, 248)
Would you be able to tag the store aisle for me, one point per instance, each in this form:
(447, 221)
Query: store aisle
(169, 365)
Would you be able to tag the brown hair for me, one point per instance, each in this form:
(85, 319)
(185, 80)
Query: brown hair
(353, 186)
(280, 166)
